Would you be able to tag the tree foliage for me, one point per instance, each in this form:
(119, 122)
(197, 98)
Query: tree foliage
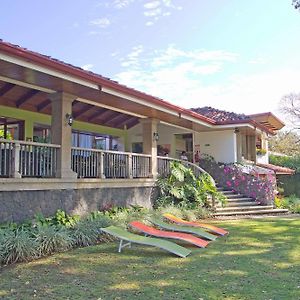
(296, 4)
(284, 142)
(290, 106)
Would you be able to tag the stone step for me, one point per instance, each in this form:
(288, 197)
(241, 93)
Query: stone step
(240, 203)
(252, 212)
(236, 196)
(228, 192)
(241, 199)
(241, 208)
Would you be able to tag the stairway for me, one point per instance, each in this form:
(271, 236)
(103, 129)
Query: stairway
(238, 204)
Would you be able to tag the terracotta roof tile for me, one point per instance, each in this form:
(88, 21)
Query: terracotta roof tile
(220, 115)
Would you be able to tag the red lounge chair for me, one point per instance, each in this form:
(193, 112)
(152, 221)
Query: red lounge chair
(211, 228)
(169, 234)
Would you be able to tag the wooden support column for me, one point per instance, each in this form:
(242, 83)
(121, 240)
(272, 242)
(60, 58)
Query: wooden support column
(238, 146)
(61, 132)
(150, 142)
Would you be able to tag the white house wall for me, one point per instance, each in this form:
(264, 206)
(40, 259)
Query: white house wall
(219, 144)
(166, 136)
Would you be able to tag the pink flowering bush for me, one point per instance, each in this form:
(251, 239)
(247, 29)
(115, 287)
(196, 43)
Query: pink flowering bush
(232, 177)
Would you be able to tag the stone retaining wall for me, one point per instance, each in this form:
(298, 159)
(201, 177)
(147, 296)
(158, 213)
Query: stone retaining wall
(19, 205)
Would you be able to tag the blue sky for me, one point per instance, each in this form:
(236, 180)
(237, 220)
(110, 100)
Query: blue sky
(236, 55)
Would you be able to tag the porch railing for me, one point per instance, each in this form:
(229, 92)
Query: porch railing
(95, 163)
(27, 159)
(163, 166)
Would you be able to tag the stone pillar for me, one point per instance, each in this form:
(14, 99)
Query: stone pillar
(150, 143)
(61, 132)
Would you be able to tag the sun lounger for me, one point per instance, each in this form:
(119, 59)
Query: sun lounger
(169, 234)
(192, 230)
(124, 235)
(209, 227)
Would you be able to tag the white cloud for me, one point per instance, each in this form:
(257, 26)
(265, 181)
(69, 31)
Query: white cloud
(87, 67)
(157, 9)
(175, 75)
(122, 3)
(152, 5)
(101, 22)
(257, 61)
(152, 12)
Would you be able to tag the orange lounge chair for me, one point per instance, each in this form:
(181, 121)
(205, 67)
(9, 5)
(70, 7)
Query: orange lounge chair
(147, 230)
(211, 228)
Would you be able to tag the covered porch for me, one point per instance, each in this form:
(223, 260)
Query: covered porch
(58, 121)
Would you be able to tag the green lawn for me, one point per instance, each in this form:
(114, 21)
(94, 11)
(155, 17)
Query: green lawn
(260, 259)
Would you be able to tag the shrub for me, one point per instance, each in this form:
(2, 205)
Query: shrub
(292, 203)
(19, 245)
(52, 239)
(62, 218)
(242, 179)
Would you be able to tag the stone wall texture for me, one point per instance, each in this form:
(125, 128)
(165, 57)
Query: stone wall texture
(17, 206)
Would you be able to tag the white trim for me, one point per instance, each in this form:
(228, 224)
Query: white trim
(195, 120)
(139, 101)
(48, 71)
(111, 108)
(27, 85)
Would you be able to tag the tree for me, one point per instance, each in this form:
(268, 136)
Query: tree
(296, 4)
(290, 106)
(286, 143)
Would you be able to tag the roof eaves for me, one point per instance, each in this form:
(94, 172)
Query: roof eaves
(93, 77)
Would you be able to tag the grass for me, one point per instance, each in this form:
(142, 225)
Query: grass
(260, 259)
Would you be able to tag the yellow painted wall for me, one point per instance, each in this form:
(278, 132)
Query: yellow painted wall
(32, 117)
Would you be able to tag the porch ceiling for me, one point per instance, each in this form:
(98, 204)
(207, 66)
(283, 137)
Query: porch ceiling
(29, 89)
(16, 96)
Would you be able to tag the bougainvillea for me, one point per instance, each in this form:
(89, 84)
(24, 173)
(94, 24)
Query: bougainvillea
(233, 177)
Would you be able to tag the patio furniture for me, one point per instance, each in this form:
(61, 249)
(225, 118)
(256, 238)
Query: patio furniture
(211, 228)
(148, 230)
(192, 230)
(124, 235)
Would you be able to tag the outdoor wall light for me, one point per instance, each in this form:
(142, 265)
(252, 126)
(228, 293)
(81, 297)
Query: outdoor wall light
(236, 130)
(155, 136)
(69, 119)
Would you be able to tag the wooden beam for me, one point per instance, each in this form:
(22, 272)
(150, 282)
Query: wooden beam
(119, 118)
(110, 115)
(132, 123)
(125, 122)
(43, 105)
(6, 88)
(97, 114)
(86, 108)
(27, 96)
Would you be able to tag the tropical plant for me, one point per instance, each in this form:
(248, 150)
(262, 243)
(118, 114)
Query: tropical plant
(182, 188)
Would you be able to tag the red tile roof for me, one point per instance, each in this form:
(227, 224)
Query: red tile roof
(48, 61)
(220, 116)
(278, 169)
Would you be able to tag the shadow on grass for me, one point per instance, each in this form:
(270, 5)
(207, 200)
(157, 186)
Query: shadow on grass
(258, 260)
